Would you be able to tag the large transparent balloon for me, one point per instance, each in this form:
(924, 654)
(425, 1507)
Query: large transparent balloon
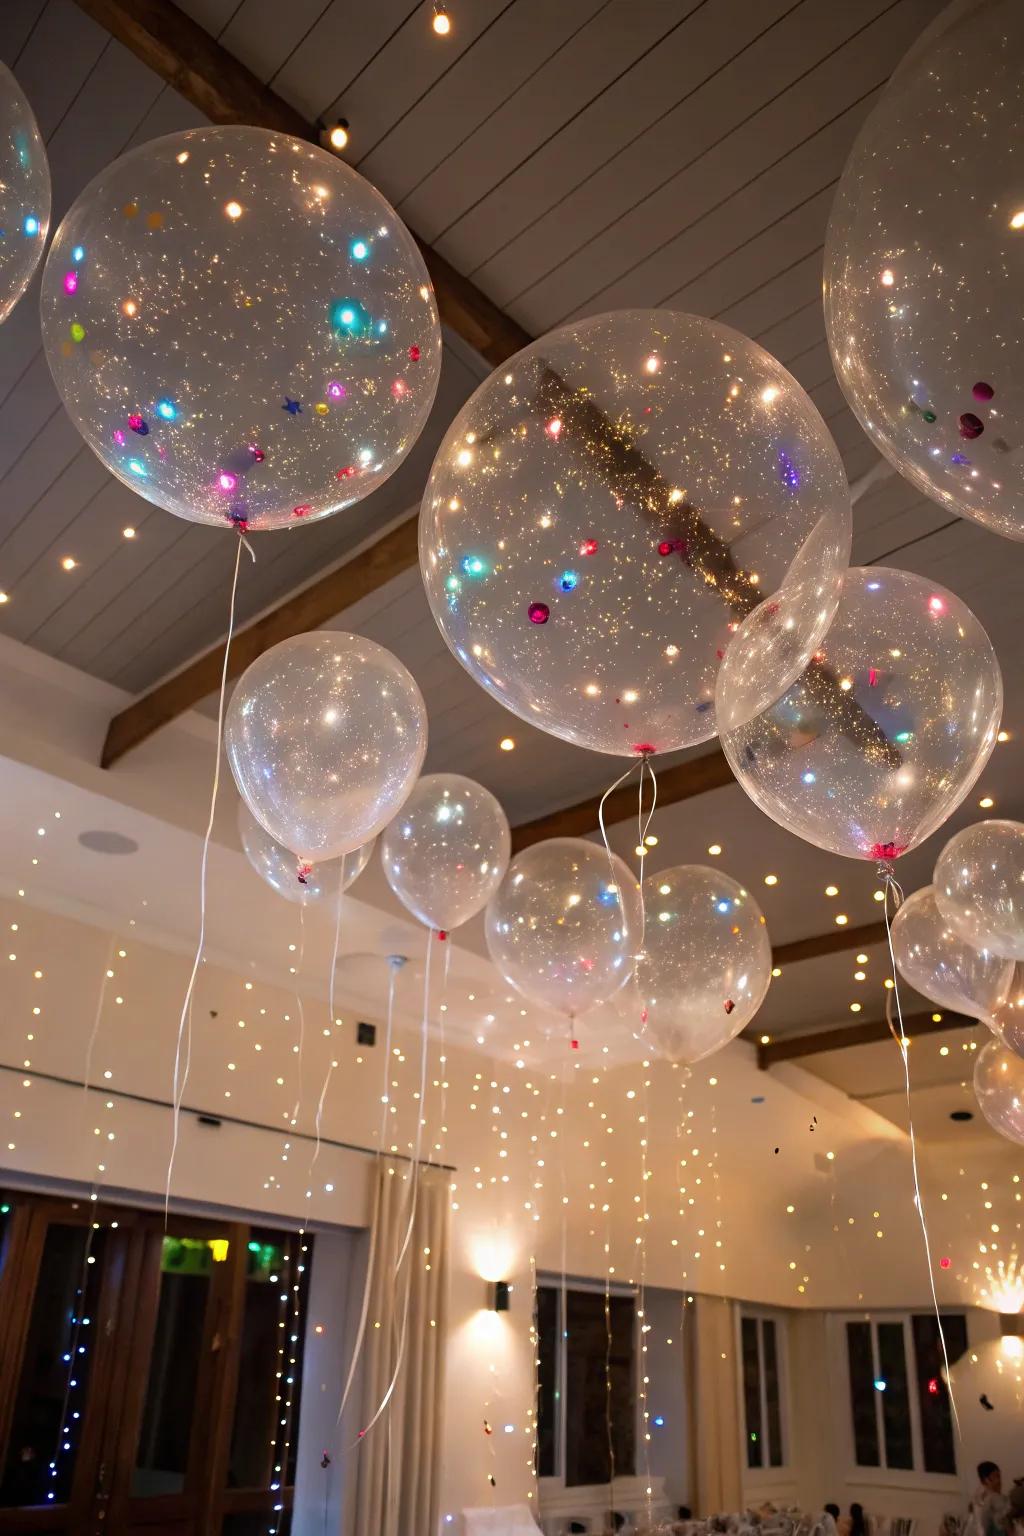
(608, 507)
(924, 267)
(447, 850)
(564, 924)
(706, 962)
(979, 885)
(999, 1090)
(941, 965)
(887, 729)
(24, 193)
(241, 327)
(281, 870)
(325, 734)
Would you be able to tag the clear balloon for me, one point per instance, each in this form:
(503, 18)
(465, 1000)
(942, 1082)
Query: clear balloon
(564, 924)
(979, 885)
(999, 1090)
(241, 328)
(924, 266)
(325, 734)
(447, 850)
(1007, 1019)
(283, 873)
(706, 962)
(608, 506)
(942, 966)
(887, 729)
(24, 193)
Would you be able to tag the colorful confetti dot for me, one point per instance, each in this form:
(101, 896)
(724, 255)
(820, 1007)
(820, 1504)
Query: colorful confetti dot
(70, 282)
(130, 210)
(588, 547)
(155, 220)
(257, 453)
(321, 408)
(982, 391)
(138, 424)
(414, 353)
(76, 331)
(538, 613)
(971, 426)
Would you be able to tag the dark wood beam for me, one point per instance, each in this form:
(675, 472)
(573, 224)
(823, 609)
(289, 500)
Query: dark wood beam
(696, 776)
(792, 1047)
(835, 942)
(307, 609)
(183, 54)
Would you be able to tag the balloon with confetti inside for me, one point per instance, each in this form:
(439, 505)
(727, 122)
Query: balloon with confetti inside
(241, 328)
(325, 735)
(886, 730)
(283, 872)
(564, 924)
(609, 506)
(941, 965)
(979, 885)
(924, 267)
(999, 1090)
(24, 193)
(705, 965)
(446, 851)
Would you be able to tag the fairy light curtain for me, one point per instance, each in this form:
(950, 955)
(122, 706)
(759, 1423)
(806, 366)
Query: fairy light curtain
(712, 1401)
(399, 1457)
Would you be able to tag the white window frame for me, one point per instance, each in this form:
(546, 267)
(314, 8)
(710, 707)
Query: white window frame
(882, 1475)
(556, 1483)
(764, 1472)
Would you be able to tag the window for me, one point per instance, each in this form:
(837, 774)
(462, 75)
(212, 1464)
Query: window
(899, 1402)
(587, 1401)
(760, 1351)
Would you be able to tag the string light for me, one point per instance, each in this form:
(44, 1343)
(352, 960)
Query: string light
(442, 22)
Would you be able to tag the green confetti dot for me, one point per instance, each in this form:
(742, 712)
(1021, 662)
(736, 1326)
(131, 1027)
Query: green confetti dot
(77, 331)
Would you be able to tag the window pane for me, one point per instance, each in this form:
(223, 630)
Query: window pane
(271, 1270)
(600, 1404)
(751, 1390)
(892, 1361)
(257, 1523)
(547, 1379)
(862, 1394)
(932, 1392)
(162, 1457)
(60, 1336)
(771, 1392)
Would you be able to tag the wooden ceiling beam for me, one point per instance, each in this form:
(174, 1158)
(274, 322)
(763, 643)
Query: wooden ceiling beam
(868, 1032)
(199, 68)
(835, 942)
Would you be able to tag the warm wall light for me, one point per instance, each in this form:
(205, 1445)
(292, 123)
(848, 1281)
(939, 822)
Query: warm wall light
(499, 1296)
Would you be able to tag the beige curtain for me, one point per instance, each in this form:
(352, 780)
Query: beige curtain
(712, 1392)
(398, 1463)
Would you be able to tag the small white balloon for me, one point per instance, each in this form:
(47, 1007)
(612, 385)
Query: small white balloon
(284, 874)
(563, 925)
(942, 966)
(706, 962)
(999, 1090)
(326, 734)
(446, 852)
(24, 193)
(979, 885)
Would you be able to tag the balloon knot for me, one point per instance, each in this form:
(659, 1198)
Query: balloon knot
(304, 872)
(442, 934)
(643, 748)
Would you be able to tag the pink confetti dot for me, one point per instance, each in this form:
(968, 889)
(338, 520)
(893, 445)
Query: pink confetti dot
(538, 613)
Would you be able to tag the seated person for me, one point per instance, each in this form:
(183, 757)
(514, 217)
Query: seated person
(990, 1507)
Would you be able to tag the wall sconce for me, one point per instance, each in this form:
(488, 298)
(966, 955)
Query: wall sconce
(498, 1298)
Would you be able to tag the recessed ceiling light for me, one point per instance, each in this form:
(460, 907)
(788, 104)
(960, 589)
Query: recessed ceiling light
(651, 840)
(101, 841)
(507, 744)
(233, 210)
(715, 849)
(862, 959)
(986, 802)
(776, 970)
(888, 983)
(878, 895)
(860, 975)
(842, 919)
(4, 597)
(855, 1007)
(771, 879)
(936, 1018)
(766, 1039)
(335, 137)
(129, 532)
(69, 562)
(1003, 736)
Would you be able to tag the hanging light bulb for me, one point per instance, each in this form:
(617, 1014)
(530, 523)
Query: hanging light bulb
(335, 136)
(442, 22)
